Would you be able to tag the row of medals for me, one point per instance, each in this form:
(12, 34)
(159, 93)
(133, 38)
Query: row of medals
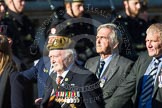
(67, 96)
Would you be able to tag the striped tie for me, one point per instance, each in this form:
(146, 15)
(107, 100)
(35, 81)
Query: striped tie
(58, 80)
(149, 83)
(102, 63)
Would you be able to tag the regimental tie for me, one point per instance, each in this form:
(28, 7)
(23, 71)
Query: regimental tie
(102, 63)
(149, 83)
(58, 80)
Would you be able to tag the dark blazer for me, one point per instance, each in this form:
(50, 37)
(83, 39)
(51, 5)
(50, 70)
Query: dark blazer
(117, 70)
(86, 81)
(5, 91)
(38, 73)
(132, 86)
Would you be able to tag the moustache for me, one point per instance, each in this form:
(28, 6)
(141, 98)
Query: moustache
(53, 66)
(98, 46)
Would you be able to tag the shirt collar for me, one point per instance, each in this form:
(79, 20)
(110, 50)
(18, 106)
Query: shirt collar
(107, 59)
(65, 72)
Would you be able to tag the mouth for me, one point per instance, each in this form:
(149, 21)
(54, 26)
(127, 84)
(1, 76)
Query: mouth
(52, 65)
(98, 45)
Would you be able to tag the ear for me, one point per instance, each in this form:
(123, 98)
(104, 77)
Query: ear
(125, 4)
(70, 57)
(67, 5)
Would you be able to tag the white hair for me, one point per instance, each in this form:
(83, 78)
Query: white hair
(115, 36)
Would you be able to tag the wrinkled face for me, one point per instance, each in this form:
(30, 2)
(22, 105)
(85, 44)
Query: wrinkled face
(153, 44)
(133, 7)
(19, 5)
(57, 60)
(77, 8)
(103, 42)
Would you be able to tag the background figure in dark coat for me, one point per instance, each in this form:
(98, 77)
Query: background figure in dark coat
(82, 28)
(133, 85)
(21, 30)
(37, 74)
(135, 26)
(6, 68)
(116, 67)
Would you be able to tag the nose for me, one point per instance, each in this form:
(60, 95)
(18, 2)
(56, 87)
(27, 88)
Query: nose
(148, 43)
(52, 60)
(97, 40)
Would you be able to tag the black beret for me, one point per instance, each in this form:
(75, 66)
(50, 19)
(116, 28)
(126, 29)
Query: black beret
(61, 37)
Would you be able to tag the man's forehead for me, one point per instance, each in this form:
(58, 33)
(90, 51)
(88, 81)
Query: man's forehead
(77, 3)
(134, 1)
(104, 30)
(54, 52)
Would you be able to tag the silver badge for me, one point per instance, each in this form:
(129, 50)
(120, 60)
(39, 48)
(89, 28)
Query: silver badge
(102, 82)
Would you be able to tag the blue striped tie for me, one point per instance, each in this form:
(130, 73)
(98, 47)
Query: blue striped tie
(149, 83)
(102, 63)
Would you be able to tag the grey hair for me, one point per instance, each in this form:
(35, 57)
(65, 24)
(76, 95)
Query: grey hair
(155, 28)
(70, 52)
(116, 36)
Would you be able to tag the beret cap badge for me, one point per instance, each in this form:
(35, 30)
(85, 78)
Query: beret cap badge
(60, 42)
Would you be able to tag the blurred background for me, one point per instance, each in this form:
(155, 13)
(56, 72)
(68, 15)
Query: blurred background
(101, 10)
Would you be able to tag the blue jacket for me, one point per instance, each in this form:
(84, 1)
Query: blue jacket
(38, 73)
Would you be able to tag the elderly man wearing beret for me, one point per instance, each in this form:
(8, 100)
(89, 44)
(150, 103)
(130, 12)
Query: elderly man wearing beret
(69, 85)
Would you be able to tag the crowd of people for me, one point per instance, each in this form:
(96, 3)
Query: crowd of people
(114, 65)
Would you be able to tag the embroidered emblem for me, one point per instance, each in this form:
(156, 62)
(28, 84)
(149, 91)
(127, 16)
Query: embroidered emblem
(45, 70)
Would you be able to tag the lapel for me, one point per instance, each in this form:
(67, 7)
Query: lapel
(111, 68)
(95, 65)
(69, 77)
(47, 92)
(157, 80)
(53, 78)
(47, 63)
(142, 69)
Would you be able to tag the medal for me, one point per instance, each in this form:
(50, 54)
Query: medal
(160, 81)
(68, 100)
(74, 99)
(71, 100)
(102, 82)
(77, 100)
(78, 94)
(58, 100)
(66, 79)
